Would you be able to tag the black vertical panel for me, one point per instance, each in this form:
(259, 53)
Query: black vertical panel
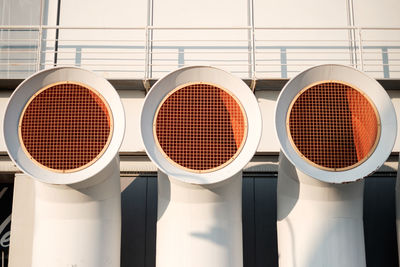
(151, 220)
(249, 244)
(380, 221)
(6, 198)
(265, 222)
(133, 239)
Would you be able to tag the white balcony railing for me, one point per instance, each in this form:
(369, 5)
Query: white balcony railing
(150, 52)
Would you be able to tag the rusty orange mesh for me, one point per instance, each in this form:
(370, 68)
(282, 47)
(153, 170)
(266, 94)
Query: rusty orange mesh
(65, 126)
(200, 127)
(333, 125)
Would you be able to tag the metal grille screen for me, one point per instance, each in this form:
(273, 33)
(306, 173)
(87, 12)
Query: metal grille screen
(333, 125)
(200, 127)
(65, 127)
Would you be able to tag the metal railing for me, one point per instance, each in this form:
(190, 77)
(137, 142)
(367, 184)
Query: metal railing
(150, 52)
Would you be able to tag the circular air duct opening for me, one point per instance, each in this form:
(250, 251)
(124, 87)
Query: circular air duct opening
(200, 124)
(333, 125)
(200, 127)
(65, 126)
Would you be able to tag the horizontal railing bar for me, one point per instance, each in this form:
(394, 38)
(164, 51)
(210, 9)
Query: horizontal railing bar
(91, 52)
(192, 28)
(200, 40)
(19, 51)
(302, 40)
(93, 64)
(87, 40)
(227, 64)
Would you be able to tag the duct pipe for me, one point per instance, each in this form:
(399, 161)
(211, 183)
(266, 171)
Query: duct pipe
(335, 125)
(63, 127)
(200, 126)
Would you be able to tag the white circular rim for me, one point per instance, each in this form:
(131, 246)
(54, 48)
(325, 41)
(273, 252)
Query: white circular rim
(27, 89)
(239, 149)
(220, 78)
(367, 85)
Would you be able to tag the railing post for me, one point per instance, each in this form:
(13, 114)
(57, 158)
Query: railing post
(39, 45)
(147, 60)
(284, 63)
(360, 48)
(39, 48)
(253, 54)
(385, 62)
(252, 48)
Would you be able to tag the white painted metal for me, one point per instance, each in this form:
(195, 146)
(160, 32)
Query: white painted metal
(27, 89)
(319, 224)
(78, 225)
(77, 215)
(208, 75)
(320, 214)
(199, 225)
(367, 85)
(199, 214)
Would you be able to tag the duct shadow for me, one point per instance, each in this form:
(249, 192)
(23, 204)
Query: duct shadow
(288, 187)
(288, 192)
(164, 193)
(259, 216)
(223, 232)
(219, 236)
(215, 235)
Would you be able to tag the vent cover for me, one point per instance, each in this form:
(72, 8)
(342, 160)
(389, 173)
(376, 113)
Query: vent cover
(333, 125)
(200, 127)
(65, 127)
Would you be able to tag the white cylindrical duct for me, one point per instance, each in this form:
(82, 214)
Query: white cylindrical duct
(335, 125)
(63, 127)
(200, 126)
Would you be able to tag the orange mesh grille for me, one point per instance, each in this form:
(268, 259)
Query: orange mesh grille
(65, 126)
(200, 127)
(333, 125)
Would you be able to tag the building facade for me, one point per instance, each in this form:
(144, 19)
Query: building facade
(263, 42)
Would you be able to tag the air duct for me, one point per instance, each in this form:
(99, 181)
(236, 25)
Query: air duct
(64, 127)
(335, 125)
(200, 126)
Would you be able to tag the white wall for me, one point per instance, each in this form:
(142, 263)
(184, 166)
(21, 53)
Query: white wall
(112, 53)
(303, 48)
(121, 53)
(380, 45)
(201, 47)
